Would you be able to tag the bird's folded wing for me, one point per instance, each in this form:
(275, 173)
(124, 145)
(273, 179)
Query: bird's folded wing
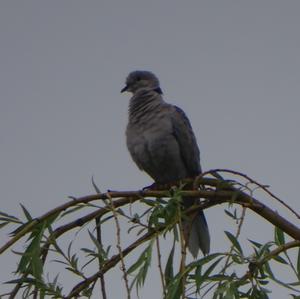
(183, 132)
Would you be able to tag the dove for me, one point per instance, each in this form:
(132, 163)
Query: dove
(162, 143)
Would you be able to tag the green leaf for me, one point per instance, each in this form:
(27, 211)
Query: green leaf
(144, 258)
(95, 186)
(149, 202)
(220, 277)
(233, 216)
(101, 252)
(37, 266)
(9, 218)
(256, 244)
(268, 270)
(206, 259)
(231, 291)
(142, 264)
(280, 259)
(31, 260)
(265, 249)
(279, 236)
(161, 201)
(206, 274)
(169, 271)
(138, 263)
(174, 289)
(234, 242)
(237, 259)
(197, 277)
(18, 229)
(26, 213)
(3, 224)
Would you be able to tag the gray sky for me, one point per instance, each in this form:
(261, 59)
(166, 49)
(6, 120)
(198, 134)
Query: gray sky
(233, 66)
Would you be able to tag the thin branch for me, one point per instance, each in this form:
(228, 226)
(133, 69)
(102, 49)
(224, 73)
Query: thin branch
(86, 199)
(263, 187)
(99, 239)
(215, 196)
(219, 197)
(123, 267)
(224, 192)
(275, 252)
(160, 266)
(58, 232)
(272, 254)
(183, 245)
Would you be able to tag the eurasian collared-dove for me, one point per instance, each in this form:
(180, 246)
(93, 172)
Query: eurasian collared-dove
(161, 142)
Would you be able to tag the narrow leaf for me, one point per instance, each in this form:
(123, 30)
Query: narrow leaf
(279, 259)
(95, 186)
(256, 244)
(26, 213)
(138, 263)
(279, 236)
(234, 242)
(207, 272)
(230, 214)
(169, 272)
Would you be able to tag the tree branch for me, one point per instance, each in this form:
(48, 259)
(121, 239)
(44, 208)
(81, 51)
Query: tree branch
(230, 194)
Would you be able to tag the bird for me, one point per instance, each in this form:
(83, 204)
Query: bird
(161, 142)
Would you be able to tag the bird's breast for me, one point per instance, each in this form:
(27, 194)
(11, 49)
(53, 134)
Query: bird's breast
(155, 150)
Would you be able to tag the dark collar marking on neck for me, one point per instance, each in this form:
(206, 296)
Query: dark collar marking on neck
(158, 90)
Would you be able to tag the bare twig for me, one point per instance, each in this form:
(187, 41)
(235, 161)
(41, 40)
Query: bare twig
(261, 186)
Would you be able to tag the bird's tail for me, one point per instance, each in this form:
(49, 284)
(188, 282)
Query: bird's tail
(196, 232)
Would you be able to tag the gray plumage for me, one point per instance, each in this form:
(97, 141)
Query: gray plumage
(161, 142)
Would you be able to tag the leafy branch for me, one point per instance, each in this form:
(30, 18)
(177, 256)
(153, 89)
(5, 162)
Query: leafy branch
(214, 275)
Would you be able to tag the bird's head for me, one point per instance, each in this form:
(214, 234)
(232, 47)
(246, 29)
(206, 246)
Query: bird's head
(141, 80)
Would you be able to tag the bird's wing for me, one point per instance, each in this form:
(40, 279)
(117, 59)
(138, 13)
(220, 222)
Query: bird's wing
(184, 135)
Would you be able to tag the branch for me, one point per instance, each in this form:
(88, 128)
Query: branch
(275, 252)
(230, 194)
(123, 267)
(219, 192)
(263, 187)
(272, 254)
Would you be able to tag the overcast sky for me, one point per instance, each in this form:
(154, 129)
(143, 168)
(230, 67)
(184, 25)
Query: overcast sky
(233, 66)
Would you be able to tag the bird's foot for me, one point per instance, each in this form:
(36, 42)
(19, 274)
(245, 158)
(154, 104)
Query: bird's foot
(150, 187)
(156, 186)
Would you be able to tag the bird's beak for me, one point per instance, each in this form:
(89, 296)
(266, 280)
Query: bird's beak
(124, 89)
